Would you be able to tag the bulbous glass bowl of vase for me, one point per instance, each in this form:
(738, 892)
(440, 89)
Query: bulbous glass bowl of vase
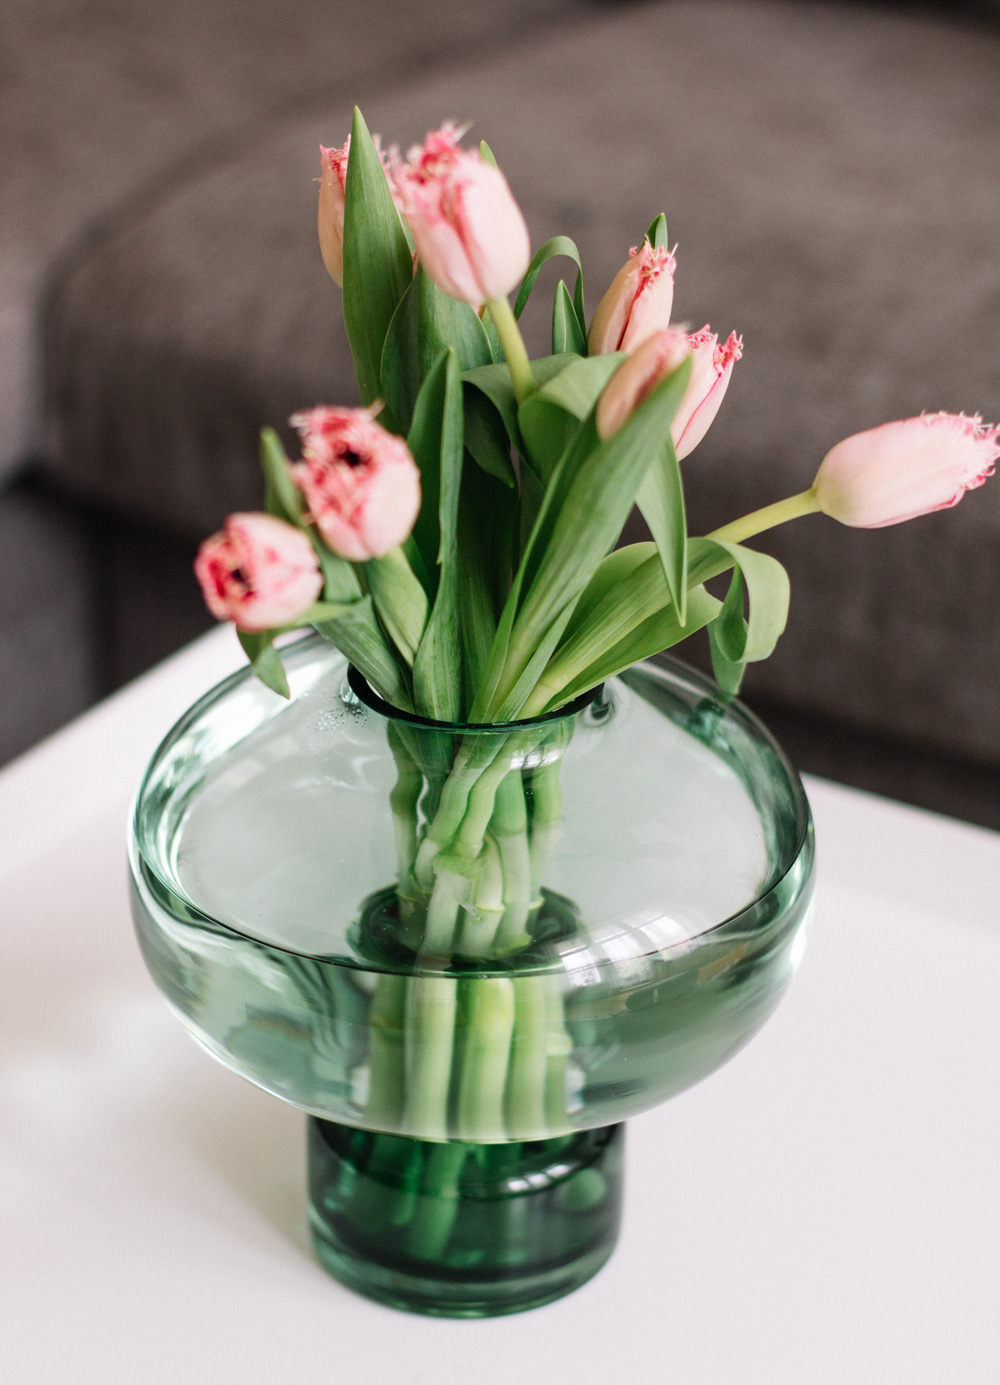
(469, 952)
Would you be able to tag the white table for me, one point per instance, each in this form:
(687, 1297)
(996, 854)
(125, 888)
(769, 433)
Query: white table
(824, 1211)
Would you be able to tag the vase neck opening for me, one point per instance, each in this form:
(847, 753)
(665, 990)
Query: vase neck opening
(365, 693)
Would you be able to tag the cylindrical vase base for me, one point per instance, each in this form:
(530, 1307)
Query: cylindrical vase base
(463, 1230)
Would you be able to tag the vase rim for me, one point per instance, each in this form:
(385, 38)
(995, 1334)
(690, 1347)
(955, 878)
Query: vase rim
(365, 693)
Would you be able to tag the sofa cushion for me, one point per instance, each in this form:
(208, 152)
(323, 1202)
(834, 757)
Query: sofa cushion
(48, 654)
(110, 102)
(832, 175)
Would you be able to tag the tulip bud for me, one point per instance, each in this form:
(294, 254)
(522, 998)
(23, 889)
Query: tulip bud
(900, 470)
(711, 367)
(657, 357)
(469, 232)
(332, 183)
(638, 302)
(258, 572)
(361, 483)
(332, 198)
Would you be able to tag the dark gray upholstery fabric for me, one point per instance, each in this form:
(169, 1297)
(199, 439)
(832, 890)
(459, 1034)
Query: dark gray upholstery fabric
(48, 658)
(832, 175)
(104, 103)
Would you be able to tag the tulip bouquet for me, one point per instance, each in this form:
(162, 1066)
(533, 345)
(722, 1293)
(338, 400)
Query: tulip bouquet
(455, 538)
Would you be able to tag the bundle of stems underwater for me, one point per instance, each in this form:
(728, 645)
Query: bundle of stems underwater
(455, 538)
(472, 1047)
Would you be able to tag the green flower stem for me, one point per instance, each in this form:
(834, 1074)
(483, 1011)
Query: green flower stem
(510, 827)
(386, 1057)
(471, 833)
(767, 518)
(437, 1201)
(430, 1038)
(546, 820)
(479, 923)
(525, 1098)
(403, 800)
(472, 759)
(488, 1025)
(454, 866)
(484, 1058)
(410, 1166)
(559, 1046)
(390, 1164)
(450, 892)
(513, 347)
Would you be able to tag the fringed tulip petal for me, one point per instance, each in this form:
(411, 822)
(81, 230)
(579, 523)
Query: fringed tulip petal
(711, 369)
(657, 357)
(638, 303)
(469, 232)
(610, 319)
(258, 572)
(332, 185)
(904, 469)
(360, 482)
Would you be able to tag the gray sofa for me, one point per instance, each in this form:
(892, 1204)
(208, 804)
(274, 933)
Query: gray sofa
(830, 171)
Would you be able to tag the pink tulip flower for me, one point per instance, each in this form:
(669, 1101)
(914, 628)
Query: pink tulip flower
(258, 572)
(469, 232)
(332, 193)
(900, 470)
(657, 357)
(637, 304)
(361, 483)
(332, 185)
(710, 371)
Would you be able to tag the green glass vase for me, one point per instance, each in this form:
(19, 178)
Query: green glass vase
(469, 952)
(463, 1229)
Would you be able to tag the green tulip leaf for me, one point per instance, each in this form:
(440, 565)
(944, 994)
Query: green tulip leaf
(400, 600)
(765, 582)
(426, 321)
(486, 437)
(493, 382)
(727, 638)
(265, 660)
(628, 588)
(548, 419)
(282, 497)
(586, 504)
(358, 635)
(378, 264)
(487, 522)
(661, 500)
(340, 578)
(657, 233)
(658, 632)
(615, 569)
(489, 327)
(318, 611)
(558, 245)
(433, 413)
(438, 427)
(567, 334)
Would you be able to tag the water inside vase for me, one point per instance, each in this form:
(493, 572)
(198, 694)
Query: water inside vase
(289, 831)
